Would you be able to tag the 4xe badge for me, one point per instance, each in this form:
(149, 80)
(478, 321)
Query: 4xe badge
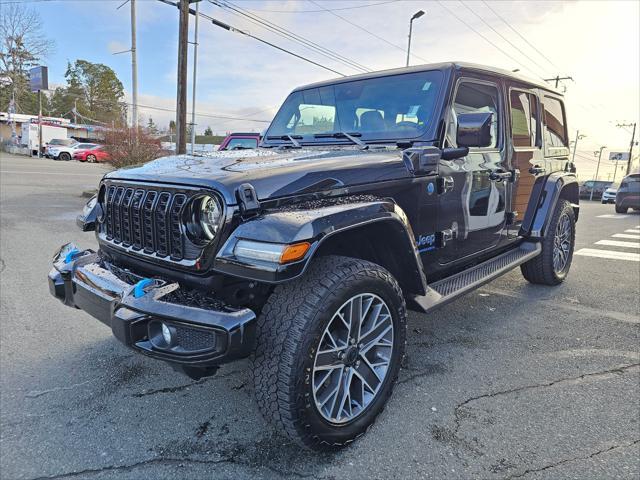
(430, 188)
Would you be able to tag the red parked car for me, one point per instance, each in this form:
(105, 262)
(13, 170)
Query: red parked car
(92, 155)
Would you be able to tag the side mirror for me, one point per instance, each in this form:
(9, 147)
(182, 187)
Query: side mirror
(422, 160)
(474, 129)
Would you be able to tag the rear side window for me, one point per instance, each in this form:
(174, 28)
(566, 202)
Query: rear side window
(524, 118)
(240, 143)
(555, 132)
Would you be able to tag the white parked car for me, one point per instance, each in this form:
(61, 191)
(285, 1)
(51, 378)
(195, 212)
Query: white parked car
(609, 194)
(65, 152)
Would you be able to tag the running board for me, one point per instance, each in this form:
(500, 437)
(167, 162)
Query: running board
(450, 288)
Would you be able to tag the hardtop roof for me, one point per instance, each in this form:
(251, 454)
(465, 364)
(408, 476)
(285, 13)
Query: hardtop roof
(461, 66)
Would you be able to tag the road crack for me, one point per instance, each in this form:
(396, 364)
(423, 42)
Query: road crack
(39, 393)
(569, 460)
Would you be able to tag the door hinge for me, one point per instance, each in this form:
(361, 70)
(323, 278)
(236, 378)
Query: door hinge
(445, 236)
(247, 198)
(444, 184)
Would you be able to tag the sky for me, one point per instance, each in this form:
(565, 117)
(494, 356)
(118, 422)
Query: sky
(596, 43)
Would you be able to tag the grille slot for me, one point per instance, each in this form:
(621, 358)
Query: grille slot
(145, 219)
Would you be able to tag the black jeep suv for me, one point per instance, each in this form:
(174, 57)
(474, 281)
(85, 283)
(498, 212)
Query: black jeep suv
(369, 195)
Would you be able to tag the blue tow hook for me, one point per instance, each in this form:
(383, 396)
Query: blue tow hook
(138, 289)
(71, 254)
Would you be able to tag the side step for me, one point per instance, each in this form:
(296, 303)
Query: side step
(450, 288)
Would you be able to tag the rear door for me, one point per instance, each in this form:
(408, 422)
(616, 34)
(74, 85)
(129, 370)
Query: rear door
(527, 153)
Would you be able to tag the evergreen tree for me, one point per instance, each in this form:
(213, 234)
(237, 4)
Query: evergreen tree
(208, 132)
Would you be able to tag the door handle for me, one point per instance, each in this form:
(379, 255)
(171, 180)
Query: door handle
(500, 175)
(537, 170)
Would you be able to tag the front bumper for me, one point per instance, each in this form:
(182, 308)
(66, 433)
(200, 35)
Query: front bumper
(152, 316)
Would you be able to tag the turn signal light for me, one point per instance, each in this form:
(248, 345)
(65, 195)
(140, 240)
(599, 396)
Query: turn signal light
(294, 252)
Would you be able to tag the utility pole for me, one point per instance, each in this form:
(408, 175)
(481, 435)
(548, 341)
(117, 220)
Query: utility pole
(181, 101)
(557, 79)
(134, 72)
(416, 15)
(193, 88)
(39, 123)
(75, 109)
(593, 185)
(633, 136)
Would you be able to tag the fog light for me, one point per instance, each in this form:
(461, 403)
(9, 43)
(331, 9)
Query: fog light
(166, 334)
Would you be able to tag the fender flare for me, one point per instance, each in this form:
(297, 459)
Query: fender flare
(543, 201)
(317, 224)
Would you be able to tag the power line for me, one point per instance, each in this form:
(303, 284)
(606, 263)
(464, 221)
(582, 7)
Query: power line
(500, 35)
(332, 12)
(283, 32)
(520, 35)
(485, 38)
(229, 28)
(318, 11)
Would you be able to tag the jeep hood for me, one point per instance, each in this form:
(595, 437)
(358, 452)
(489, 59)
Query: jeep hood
(272, 173)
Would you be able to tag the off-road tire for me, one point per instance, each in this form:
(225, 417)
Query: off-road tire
(621, 209)
(64, 156)
(540, 270)
(287, 335)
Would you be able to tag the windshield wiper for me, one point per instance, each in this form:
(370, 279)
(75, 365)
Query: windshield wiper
(351, 136)
(291, 138)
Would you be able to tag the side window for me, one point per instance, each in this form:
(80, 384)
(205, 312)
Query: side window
(555, 134)
(474, 97)
(242, 143)
(524, 118)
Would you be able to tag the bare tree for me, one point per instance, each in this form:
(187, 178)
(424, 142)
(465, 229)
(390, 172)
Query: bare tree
(22, 46)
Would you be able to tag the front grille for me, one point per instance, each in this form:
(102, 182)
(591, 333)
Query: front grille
(145, 219)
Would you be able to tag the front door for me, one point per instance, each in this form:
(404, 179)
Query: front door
(472, 206)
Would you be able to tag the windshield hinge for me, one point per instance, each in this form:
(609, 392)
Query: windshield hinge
(247, 198)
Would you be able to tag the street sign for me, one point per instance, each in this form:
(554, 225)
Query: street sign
(39, 78)
(619, 156)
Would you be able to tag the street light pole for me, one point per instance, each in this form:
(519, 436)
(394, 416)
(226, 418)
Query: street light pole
(193, 88)
(181, 101)
(134, 72)
(575, 145)
(593, 185)
(416, 15)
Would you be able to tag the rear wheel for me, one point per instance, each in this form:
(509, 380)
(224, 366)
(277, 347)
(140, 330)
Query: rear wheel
(91, 158)
(621, 209)
(65, 156)
(329, 350)
(552, 265)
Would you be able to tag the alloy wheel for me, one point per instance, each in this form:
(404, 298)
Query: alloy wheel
(562, 244)
(353, 358)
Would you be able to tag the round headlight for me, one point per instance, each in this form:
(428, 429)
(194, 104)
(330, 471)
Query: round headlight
(202, 218)
(209, 216)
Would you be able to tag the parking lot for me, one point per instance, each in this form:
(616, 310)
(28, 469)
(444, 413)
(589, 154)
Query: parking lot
(511, 381)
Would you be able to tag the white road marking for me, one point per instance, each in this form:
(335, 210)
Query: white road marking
(626, 235)
(613, 255)
(616, 243)
(612, 216)
(632, 231)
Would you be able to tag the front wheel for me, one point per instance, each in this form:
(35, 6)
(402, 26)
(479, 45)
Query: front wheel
(91, 158)
(328, 351)
(65, 156)
(552, 265)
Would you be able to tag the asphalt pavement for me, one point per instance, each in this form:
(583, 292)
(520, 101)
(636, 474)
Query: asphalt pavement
(511, 381)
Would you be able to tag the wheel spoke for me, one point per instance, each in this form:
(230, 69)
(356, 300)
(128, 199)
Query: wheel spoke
(368, 374)
(375, 335)
(356, 318)
(328, 359)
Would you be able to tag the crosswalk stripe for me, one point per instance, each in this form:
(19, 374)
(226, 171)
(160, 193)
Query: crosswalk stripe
(626, 235)
(610, 215)
(616, 243)
(611, 254)
(632, 231)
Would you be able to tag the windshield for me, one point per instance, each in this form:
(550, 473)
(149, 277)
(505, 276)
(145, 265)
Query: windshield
(383, 108)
